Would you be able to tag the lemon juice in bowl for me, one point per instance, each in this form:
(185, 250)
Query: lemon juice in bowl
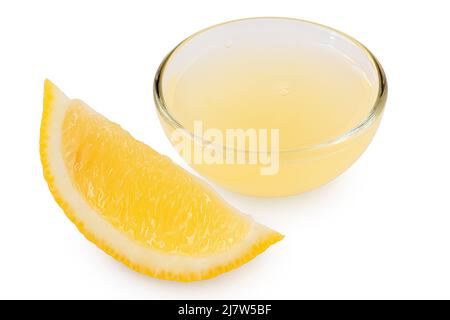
(270, 106)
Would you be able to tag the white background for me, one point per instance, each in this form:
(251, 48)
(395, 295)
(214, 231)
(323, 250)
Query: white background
(381, 230)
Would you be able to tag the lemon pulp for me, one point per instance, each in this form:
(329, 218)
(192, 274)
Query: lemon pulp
(134, 188)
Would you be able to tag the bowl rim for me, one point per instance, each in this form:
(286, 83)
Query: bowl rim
(375, 112)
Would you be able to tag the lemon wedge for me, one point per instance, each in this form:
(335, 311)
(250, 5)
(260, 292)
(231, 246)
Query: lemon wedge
(136, 204)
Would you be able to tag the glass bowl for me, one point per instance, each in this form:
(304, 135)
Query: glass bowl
(193, 96)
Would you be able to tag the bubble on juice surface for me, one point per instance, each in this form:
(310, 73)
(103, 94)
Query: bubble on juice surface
(283, 88)
(284, 91)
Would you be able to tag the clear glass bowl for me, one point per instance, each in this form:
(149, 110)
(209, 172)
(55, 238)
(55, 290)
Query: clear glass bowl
(299, 169)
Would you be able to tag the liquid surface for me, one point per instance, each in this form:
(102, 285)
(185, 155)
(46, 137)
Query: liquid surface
(311, 95)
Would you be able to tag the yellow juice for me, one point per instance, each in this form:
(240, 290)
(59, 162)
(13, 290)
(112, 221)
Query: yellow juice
(311, 97)
(314, 95)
